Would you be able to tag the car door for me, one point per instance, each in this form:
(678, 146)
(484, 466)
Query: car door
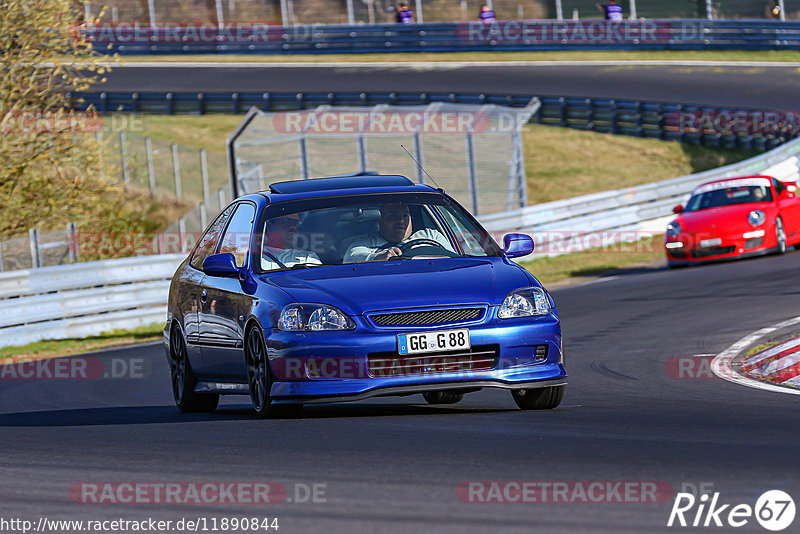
(191, 283)
(223, 303)
(789, 207)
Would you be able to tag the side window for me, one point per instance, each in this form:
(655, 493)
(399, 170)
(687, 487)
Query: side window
(208, 243)
(237, 236)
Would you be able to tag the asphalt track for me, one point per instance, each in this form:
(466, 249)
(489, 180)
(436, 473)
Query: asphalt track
(393, 465)
(743, 86)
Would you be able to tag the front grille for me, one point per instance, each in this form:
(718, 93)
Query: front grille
(753, 243)
(389, 364)
(677, 253)
(712, 251)
(426, 318)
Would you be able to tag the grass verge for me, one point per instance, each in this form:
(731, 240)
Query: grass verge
(64, 347)
(599, 55)
(595, 261)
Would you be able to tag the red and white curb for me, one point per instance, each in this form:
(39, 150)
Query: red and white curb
(775, 369)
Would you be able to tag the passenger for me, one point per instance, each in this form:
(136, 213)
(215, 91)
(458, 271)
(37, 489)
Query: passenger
(280, 250)
(394, 229)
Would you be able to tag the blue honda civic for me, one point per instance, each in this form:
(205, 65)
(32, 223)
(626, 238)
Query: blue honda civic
(343, 288)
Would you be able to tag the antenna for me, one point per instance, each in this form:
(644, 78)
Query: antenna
(421, 167)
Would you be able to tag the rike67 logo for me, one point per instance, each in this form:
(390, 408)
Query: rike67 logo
(774, 510)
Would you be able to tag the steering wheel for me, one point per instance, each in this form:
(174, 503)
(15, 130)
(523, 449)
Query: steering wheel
(422, 242)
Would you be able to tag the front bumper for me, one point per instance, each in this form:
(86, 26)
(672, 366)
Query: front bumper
(334, 366)
(730, 246)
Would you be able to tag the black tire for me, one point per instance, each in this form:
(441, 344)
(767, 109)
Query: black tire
(780, 236)
(184, 381)
(259, 379)
(442, 397)
(539, 398)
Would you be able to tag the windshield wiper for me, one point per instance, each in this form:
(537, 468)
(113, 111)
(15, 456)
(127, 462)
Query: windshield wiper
(307, 266)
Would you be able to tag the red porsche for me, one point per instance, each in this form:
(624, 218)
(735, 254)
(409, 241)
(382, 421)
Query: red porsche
(734, 218)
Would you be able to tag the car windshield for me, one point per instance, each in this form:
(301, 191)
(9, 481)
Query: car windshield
(717, 195)
(367, 228)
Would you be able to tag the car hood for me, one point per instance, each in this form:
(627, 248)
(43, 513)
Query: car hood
(723, 219)
(357, 289)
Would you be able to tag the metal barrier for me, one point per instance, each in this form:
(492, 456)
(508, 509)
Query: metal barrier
(637, 118)
(467, 36)
(73, 301)
(643, 209)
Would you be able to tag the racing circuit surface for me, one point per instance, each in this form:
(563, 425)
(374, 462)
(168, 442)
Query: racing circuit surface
(743, 86)
(393, 465)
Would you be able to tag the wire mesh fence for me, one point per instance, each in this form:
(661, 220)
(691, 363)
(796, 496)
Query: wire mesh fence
(296, 12)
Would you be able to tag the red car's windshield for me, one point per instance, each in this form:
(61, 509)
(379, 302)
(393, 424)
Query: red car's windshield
(743, 194)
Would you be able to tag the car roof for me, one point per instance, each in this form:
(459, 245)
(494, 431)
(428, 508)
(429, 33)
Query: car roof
(346, 184)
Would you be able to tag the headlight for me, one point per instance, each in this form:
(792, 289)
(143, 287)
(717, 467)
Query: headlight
(313, 317)
(756, 217)
(673, 229)
(524, 303)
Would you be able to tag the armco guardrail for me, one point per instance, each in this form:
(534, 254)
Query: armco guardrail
(466, 36)
(75, 301)
(622, 213)
(660, 120)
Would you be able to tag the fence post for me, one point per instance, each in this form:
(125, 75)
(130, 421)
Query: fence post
(418, 6)
(176, 169)
(203, 216)
(418, 155)
(783, 10)
(362, 153)
(473, 182)
(1, 256)
(351, 19)
(220, 20)
(204, 173)
(182, 233)
(522, 195)
(633, 10)
(709, 10)
(284, 13)
(126, 177)
(151, 8)
(559, 10)
(36, 255)
(304, 172)
(148, 144)
(221, 198)
(72, 242)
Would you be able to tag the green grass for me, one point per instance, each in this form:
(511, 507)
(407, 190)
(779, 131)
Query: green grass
(600, 55)
(560, 162)
(595, 261)
(64, 347)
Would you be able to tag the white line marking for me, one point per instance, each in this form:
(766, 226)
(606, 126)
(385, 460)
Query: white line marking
(721, 364)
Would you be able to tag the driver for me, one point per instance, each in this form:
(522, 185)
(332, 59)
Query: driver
(279, 250)
(394, 230)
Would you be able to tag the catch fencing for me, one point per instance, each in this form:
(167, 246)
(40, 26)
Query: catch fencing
(293, 12)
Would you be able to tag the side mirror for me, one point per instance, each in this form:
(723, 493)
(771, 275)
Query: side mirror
(517, 245)
(787, 193)
(791, 188)
(677, 209)
(221, 265)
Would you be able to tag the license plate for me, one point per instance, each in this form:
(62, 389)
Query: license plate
(710, 242)
(441, 341)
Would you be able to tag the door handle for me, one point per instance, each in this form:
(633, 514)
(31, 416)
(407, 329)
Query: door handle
(204, 296)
